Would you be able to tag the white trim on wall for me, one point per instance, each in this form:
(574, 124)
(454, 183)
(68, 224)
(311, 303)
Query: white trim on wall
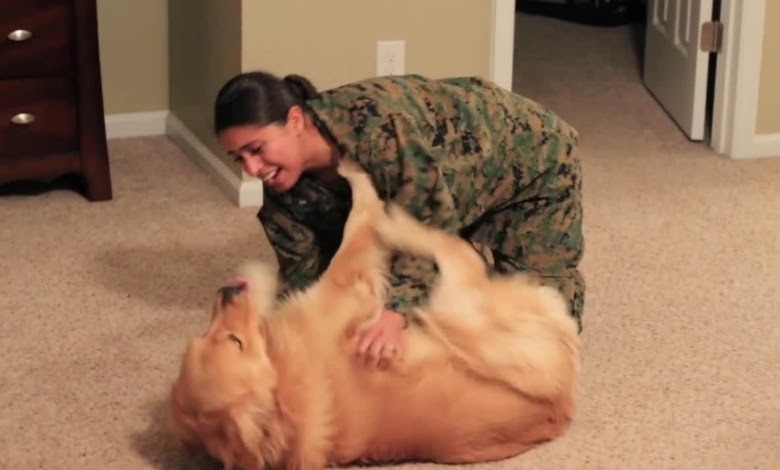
(135, 124)
(502, 42)
(244, 193)
(762, 145)
(737, 83)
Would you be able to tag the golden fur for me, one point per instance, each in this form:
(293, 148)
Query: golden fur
(490, 372)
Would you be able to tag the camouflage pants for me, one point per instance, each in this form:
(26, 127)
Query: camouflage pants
(538, 231)
(568, 281)
(541, 232)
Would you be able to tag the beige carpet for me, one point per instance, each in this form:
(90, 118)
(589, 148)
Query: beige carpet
(682, 326)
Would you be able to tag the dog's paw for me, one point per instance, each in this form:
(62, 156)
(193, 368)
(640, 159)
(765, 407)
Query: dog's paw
(394, 217)
(399, 214)
(349, 168)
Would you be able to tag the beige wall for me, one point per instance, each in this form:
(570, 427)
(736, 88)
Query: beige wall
(175, 54)
(133, 39)
(205, 50)
(333, 42)
(768, 119)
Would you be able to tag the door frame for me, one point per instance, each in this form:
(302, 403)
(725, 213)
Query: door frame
(738, 70)
(733, 128)
(502, 42)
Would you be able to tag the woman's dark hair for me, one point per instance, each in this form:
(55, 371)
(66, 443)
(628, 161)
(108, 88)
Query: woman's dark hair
(260, 98)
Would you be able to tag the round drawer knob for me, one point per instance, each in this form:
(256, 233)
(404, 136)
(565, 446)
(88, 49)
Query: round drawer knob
(23, 119)
(19, 35)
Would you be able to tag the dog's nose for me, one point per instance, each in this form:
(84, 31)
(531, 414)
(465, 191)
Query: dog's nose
(228, 292)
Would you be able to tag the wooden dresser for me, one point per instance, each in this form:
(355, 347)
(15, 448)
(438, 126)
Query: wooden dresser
(51, 101)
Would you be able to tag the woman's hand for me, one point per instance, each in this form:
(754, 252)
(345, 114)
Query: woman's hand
(382, 339)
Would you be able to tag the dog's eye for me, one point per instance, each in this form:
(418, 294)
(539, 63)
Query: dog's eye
(236, 340)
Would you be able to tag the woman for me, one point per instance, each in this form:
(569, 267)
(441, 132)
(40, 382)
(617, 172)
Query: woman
(461, 154)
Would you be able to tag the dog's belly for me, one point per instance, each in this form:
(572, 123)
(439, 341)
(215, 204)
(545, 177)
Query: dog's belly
(441, 415)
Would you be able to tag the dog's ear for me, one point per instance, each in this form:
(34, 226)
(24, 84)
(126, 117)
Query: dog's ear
(255, 446)
(182, 422)
(262, 283)
(244, 437)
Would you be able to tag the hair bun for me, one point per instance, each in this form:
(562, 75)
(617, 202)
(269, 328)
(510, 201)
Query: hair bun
(301, 87)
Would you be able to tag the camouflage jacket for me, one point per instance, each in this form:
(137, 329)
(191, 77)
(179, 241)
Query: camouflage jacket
(450, 151)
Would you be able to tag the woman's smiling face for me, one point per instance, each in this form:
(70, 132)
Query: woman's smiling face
(273, 153)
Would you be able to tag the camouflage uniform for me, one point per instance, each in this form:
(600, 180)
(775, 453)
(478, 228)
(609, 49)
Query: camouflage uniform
(461, 154)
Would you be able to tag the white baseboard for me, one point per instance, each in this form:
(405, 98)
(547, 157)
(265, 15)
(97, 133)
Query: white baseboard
(135, 124)
(243, 193)
(760, 146)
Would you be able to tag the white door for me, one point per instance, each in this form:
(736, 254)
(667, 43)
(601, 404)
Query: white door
(675, 67)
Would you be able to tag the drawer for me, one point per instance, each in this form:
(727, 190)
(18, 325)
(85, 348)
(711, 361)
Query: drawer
(48, 49)
(52, 104)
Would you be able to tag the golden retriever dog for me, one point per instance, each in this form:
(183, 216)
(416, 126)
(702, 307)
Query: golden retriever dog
(490, 371)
